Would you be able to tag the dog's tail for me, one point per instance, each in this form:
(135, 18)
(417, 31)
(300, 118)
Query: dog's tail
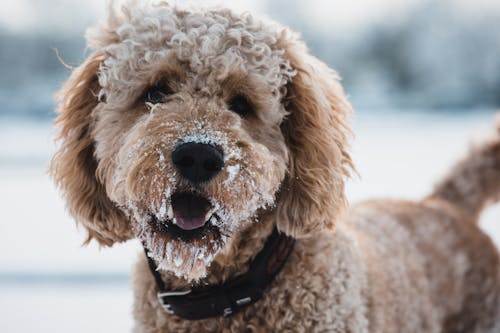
(475, 181)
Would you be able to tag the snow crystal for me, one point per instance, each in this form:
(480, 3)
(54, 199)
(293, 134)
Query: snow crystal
(232, 170)
(233, 154)
(202, 253)
(213, 220)
(163, 209)
(177, 261)
(168, 252)
(199, 139)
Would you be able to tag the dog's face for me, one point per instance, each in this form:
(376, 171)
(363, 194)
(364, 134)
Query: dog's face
(183, 127)
(188, 140)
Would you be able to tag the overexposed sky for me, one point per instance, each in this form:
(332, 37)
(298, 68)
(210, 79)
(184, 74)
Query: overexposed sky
(71, 15)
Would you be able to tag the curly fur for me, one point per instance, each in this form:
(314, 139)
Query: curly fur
(381, 266)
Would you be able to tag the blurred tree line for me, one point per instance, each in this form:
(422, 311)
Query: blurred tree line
(31, 71)
(434, 57)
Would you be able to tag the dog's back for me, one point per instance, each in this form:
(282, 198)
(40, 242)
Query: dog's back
(429, 259)
(473, 184)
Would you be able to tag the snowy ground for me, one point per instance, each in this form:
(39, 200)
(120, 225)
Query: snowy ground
(49, 283)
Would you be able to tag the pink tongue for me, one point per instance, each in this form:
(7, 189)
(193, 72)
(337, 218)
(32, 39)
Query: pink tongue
(189, 210)
(189, 223)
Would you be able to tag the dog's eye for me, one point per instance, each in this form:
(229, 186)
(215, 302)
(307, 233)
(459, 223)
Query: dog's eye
(240, 105)
(157, 93)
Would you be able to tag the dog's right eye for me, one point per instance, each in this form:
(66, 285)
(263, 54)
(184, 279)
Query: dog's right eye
(157, 93)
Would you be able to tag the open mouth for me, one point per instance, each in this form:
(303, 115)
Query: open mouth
(189, 216)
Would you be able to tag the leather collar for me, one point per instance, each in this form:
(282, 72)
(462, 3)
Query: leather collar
(202, 302)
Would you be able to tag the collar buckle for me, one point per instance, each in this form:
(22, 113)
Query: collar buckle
(164, 304)
(173, 293)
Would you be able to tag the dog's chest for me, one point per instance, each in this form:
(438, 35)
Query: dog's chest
(319, 289)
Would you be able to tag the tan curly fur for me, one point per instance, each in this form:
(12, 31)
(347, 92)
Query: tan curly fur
(380, 266)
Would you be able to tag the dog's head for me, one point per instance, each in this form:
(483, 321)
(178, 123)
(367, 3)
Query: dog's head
(184, 127)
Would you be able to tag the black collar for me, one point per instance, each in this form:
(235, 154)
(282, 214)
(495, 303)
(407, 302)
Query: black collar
(225, 299)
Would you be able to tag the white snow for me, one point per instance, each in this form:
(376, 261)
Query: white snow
(232, 171)
(163, 209)
(68, 308)
(178, 261)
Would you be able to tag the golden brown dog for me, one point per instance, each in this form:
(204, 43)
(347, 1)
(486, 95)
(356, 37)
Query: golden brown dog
(201, 131)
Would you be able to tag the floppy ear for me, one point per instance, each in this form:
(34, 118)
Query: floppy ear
(317, 136)
(73, 166)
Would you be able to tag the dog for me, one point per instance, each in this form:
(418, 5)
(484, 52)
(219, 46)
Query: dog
(222, 144)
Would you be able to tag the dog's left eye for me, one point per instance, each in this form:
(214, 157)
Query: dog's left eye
(240, 105)
(157, 93)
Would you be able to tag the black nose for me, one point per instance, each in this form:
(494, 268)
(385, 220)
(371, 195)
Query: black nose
(198, 162)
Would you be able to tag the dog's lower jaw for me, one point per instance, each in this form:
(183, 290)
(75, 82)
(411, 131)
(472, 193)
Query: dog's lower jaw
(299, 289)
(232, 259)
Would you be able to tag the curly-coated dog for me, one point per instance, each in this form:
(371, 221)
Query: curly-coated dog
(220, 143)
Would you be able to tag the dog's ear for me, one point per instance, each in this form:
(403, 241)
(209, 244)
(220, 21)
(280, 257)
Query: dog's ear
(317, 136)
(73, 166)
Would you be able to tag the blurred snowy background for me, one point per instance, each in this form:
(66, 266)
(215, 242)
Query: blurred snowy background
(423, 76)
